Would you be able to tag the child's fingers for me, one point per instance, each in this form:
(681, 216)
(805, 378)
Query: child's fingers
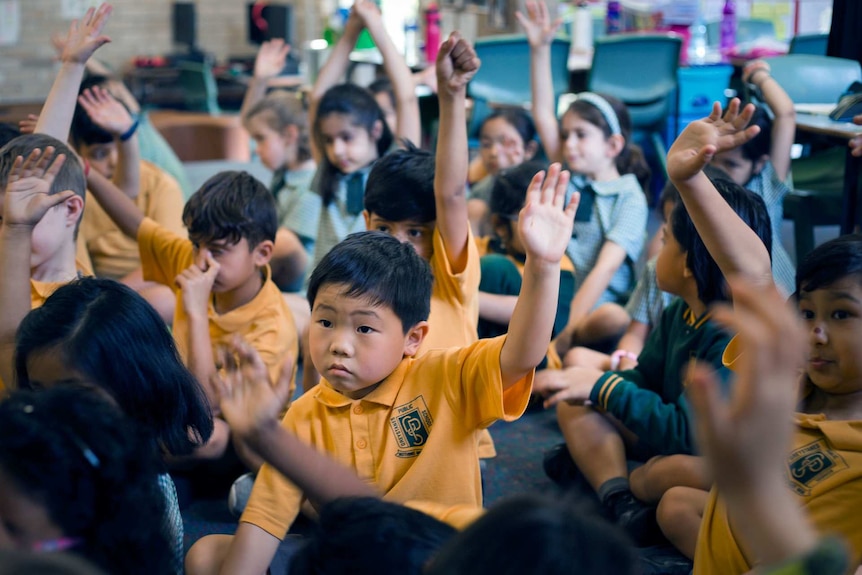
(715, 114)
(560, 191)
(574, 202)
(550, 184)
(534, 191)
(15, 170)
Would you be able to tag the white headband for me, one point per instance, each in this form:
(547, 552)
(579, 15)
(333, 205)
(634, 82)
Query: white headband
(606, 110)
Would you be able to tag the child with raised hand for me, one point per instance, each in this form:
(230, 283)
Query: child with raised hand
(370, 300)
(762, 164)
(349, 131)
(593, 138)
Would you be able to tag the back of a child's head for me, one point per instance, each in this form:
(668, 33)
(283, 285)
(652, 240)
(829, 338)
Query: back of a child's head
(84, 131)
(110, 336)
(368, 535)
(281, 109)
(759, 145)
(70, 176)
(631, 159)
(71, 450)
(378, 268)
(534, 534)
(231, 206)
(400, 186)
(516, 117)
(749, 207)
(830, 263)
(510, 188)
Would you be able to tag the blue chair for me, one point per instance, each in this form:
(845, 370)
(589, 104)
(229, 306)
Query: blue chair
(199, 87)
(814, 44)
(747, 30)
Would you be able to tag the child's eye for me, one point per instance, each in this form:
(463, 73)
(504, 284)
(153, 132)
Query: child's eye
(383, 229)
(840, 314)
(324, 323)
(364, 329)
(806, 314)
(415, 233)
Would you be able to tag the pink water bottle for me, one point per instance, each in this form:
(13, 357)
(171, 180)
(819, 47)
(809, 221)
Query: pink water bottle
(728, 27)
(432, 33)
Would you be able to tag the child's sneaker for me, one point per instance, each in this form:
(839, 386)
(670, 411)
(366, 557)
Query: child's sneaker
(634, 516)
(559, 466)
(239, 493)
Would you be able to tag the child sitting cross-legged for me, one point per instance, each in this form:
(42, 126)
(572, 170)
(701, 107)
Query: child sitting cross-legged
(390, 416)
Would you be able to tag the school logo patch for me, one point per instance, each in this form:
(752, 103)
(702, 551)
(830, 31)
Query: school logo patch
(411, 425)
(812, 464)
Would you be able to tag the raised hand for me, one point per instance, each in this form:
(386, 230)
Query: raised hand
(537, 24)
(457, 63)
(271, 58)
(544, 223)
(106, 111)
(367, 11)
(196, 283)
(28, 126)
(28, 189)
(702, 139)
(248, 401)
(85, 35)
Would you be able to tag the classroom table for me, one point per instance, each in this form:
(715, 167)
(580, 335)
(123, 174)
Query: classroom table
(842, 132)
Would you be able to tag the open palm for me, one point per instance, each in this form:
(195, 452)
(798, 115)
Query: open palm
(537, 24)
(85, 35)
(28, 190)
(271, 58)
(544, 224)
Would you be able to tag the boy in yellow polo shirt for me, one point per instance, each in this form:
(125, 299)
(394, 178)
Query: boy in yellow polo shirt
(220, 276)
(407, 424)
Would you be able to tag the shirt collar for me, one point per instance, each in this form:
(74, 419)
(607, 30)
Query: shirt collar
(606, 188)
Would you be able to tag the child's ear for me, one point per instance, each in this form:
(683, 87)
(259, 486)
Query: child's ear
(367, 217)
(759, 164)
(74, 210)
(530, 149)
(500, 227)
(616, 144)
(414, 337)
(376, 130)
(262, 253)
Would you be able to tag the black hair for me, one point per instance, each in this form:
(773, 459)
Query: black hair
(707, 275)
(368, 535)
(669, 193)
(400, 186)
(759, 145)
(358, 103)
(281, 109)
(8, 132)
(379, 268)
(510, 187)
(72, 451)
(84, 131)
(70, 176)
(829, 263)
(231, 206)
(535, 534)
(111, 336)
(516, 117)
(631, 159)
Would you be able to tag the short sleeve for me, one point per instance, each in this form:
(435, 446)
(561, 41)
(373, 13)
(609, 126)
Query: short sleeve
(163, 254)
(628, 222)
(164, 200)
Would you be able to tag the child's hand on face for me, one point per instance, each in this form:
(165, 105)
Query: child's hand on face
(27, 198)
(247, 399)
(85, 35)
(702, 139)
(271, 58)
(196, 282)
(105, 111)
(457, 63)
(537, 24)
(572, 385)
(544, 223)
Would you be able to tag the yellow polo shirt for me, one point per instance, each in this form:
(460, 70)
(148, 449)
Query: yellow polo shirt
(265, 322)
(414, 437)
(112, 252)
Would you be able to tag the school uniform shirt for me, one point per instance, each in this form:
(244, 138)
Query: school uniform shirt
(649, 399)
(482, 189)
(648, 301)
(40, 291)
(113, 253)
(613, 211)
(767, 185)
(298, 205)
(343, 215)
(414, 437)
(824, 471)
(265, 322)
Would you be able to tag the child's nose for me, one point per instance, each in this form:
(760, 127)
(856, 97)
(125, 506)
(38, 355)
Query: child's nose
(340, 345)
(818, 333)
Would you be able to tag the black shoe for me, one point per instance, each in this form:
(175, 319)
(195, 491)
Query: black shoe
(635, 517)
(559, 466)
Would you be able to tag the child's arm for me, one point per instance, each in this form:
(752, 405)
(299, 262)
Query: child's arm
(268, 64)
(119, 207)
(545, 226)
(84, 38)
(406, 102)
(110, 115)
(784, 116)
(456, 64)
(540, 32)
(25, 201)
(732, 244)
(855, 144)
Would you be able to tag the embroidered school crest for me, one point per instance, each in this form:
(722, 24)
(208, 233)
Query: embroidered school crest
(411, 425)
(812, 464)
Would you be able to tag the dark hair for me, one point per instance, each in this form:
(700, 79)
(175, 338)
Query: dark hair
(72, 451)
(8, 132)
(70, 176)
(84, 131)
(535, 534)
(760, 144)
(231, 206)
(376, 266)
(400, 186)
(749, 207)
(110, 335)
(368, 535)
(516, 117)
(383, 86)
(358, 103)
(281, 109)
(510, 187)
(631, 159)
(830, 262)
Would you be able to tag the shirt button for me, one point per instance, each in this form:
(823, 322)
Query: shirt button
(361, 444)
(358, 410)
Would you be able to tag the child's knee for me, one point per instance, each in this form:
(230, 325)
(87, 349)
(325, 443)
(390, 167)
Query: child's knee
(568, 414)
(676, 509)
(207, 554)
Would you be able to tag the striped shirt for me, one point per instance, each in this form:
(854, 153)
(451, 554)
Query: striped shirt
(336, 223)
(648, 301)
(173, 524)
(298, 205)
(767, 185)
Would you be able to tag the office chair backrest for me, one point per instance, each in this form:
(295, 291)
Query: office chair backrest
(747, 30)
(810, 79)
(199, 87)
(809, 44)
